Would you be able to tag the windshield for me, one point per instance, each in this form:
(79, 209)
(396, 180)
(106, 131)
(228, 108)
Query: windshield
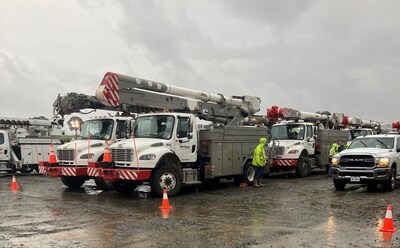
(291, 131)
(98, 129)
(373, 142)
(357, 133)
(158, 126)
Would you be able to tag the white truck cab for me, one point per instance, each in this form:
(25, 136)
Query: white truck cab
(370, 159)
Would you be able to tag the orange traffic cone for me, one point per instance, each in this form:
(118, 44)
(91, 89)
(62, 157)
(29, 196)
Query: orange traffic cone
(14, 185)
(388, 222)
(387, 236)
(165, 203)
(52, 157)
(243, 185)
(107, 154)
(165, 213)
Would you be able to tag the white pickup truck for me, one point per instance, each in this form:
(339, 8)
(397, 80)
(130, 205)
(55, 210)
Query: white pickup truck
(370, 159)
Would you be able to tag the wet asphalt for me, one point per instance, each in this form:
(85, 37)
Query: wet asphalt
(288, 212)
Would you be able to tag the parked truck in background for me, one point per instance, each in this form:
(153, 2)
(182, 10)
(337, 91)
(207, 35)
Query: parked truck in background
(26, 142)
(168, 149)
(300, 141)
(96, 134)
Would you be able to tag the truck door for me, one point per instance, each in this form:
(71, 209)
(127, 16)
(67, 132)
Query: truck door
(397, 159)
(4, 146)
(310, 139)
(186, 139)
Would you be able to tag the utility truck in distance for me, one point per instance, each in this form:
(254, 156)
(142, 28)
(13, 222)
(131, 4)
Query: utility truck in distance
(96, 134)
(167, 148)
(300, 141)
(26, 142)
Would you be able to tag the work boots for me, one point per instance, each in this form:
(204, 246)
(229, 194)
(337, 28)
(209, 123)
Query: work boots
(260, 184)
(255, 183)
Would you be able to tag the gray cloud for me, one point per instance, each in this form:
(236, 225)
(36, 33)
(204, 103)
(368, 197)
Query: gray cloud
(340, 56)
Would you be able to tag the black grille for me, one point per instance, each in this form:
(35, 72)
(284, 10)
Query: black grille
(121, 155)
(357, 161)
(356, 174)
(65, 155)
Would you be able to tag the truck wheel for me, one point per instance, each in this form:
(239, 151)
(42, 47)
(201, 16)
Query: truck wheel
(303, 166)
(73, 182)
(249, 173)
(166, 177)
(102, 184)
(390, 184)
(339, 185)
(123, 187)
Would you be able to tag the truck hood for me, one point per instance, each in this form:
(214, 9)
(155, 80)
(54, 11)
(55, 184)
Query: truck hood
(141, 144)
(81, 145)
(377, 152)
(287, 143)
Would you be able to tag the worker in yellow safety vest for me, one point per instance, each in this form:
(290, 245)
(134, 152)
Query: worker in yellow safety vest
(332, 152)
(259, 161)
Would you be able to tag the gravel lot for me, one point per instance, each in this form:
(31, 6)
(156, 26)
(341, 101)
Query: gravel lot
(289, 212)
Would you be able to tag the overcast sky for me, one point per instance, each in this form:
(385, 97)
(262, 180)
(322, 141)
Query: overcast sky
(311, 55)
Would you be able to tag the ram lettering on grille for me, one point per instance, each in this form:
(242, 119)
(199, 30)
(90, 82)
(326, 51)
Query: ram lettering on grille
(357, 161)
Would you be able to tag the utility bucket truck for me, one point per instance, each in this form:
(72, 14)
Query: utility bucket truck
(96, 134)
(26, 142)
(300, 141)
(168, 149)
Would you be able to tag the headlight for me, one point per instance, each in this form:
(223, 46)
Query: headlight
(147, 157)
(382, 162)
(87, 155)
(335, 161)
(293, 151)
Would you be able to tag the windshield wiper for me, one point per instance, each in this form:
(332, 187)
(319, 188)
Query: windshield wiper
(382, 143)
(363, 143)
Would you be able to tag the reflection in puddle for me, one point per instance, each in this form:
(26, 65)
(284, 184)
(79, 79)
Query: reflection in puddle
(330, 230)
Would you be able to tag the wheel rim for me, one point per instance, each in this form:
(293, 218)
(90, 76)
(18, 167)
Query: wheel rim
(167, 181)
(251, 173)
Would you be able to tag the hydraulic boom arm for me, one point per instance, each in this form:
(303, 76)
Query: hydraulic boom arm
(122, 91)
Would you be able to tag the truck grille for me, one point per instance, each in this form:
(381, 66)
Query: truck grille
(357, 161)
(121, 155)
(65, 155)
(278, 150)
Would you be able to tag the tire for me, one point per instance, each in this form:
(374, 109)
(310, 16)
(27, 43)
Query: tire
(73, 182)
(303, 166)
(166, 177)
(390, 184)
(248, 173)
(124, 187)
(339, 184)
(102, 184)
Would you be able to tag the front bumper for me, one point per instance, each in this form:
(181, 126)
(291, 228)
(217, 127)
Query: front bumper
(361, 176)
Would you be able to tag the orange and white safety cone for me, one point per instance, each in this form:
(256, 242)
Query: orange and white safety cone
(165, 213)
(52, 156)
(165, 203)
(388, 225)
(14, 185)
(107, 154)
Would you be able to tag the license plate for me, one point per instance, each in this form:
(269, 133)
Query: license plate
(354, 179)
